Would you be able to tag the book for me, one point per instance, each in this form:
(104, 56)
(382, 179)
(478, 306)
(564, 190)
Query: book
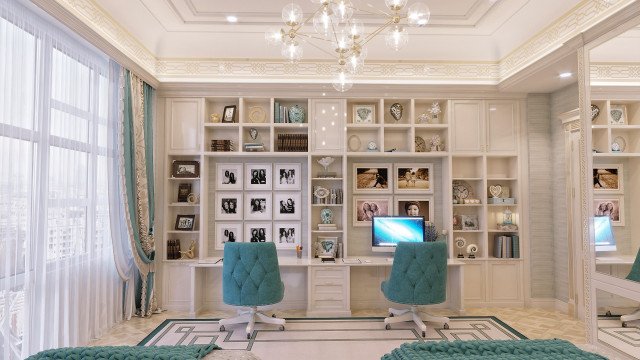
(516, 246)
(497, 246)
(184, 190)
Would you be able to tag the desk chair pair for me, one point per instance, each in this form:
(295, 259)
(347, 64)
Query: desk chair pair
(634, 275)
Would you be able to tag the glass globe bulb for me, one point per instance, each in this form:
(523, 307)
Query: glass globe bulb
(343, 81)
(322, 23)
(292, 14)
(396, 37)
(395, 4)
(292, 51)
(355, 61)
(418, 14)
(342, 42)
(274, 36)
(321, 2)
(342, 10)
(355, 29)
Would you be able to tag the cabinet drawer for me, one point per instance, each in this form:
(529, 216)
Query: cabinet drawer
(328, 289)
(329, 304)
(332, 274)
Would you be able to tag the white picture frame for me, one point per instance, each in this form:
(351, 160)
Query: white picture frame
(228, 205)
(608, 178)
(364, 113)
(470, 222)
(287, 205)
(413, 178)
(262, 233)
(613, 206)
(229, 176)
(372, 178)
(258, 177)
(327, 246)
(228, 231)
(423, 204)
(363, 209)
(257, 205)
(286, 235)
(287, 177)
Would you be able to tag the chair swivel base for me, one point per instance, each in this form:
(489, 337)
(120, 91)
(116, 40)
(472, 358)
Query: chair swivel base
(413, 314)
(250, 317)
(631, 317)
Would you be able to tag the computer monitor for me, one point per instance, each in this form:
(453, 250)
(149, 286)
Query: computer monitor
(388, 231)
(604, 239)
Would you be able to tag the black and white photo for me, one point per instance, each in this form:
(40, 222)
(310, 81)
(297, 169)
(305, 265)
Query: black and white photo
(286, 235)
(372, 178)
(185, 169)
(229, 177)
(257, 232)
(258, 177)
(287, 206)
(257, 206)
(228, 205)
(287, 177)
(228, 232)
(185, 222)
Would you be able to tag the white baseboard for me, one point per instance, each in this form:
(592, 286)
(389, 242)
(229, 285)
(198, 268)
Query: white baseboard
(549, 304)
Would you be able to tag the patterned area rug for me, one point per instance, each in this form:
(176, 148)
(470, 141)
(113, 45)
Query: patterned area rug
(627, 340)
(309, 339)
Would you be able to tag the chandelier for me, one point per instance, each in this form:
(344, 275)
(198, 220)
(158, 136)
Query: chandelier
(335, 25)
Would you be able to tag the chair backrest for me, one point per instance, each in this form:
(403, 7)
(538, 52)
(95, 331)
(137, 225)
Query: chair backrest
(250, 274)
(634, 274)
(419, 273)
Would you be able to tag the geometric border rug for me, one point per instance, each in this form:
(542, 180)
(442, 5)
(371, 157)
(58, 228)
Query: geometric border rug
(625, 339)
(325, 338)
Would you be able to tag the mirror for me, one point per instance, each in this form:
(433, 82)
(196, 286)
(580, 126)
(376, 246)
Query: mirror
(617, 332)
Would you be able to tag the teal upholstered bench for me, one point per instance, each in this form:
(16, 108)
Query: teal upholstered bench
(187, 352)
(491, 350)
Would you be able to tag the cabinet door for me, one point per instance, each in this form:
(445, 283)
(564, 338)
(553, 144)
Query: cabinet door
(328, 121)
(474, 282)
(467, 126)
(505, 284)
(184, 118)
(501, 126)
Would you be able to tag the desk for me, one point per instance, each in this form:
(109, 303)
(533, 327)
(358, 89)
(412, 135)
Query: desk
(328, 284)
(615, 260)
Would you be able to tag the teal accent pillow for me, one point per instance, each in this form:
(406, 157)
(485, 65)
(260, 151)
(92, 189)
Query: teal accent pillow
(178, 352)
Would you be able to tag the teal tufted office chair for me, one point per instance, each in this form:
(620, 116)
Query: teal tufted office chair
(251, 278)
(418, 277)
(634, 275)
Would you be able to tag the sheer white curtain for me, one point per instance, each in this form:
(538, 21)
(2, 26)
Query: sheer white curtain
(58, 281)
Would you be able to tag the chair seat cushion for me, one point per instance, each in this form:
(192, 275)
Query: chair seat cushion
(186, 352)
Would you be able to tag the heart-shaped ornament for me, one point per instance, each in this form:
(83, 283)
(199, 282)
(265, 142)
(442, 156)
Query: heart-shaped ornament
(396, 111)
(495, 190)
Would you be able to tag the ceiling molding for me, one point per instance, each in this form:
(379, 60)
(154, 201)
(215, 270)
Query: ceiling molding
(615, 74)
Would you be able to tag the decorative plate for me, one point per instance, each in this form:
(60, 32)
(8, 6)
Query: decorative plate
(296, 114)
(462, 189)
(421, 145)
(321, 192)
(595, 111)
(257, 114)
(618, 144)
(354, 143)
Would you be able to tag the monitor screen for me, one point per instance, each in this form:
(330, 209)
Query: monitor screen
(388, 231)
(604, 239)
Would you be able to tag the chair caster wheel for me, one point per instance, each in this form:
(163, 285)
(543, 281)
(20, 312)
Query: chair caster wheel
(424, 334)
(624, 324)
(221, 327)
(281, 327)
(446, 326)
(248, 336)
(387, 327)
(390, 315)
(273, 315)
(608, 313)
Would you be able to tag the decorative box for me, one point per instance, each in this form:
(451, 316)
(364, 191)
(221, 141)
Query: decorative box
(503, 201)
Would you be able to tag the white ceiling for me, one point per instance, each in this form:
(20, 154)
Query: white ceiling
(622, 48)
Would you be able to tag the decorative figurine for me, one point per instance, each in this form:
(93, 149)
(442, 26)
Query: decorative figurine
(460, 243)
(396, 111)
(472, 249)
(215, 118)
(189, 254)
(325, 162)
(435, 111)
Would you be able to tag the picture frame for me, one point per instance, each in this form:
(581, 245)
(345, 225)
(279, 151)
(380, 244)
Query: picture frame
(617, 114)
(327, 246)
(257, 177)
(414, 206)
(608, 178)
(257, 232)
(287, 177)
(229, 114)
(372, 178)
(184, 189)
(257, 205)
(612, 206)
(286, 235)
(413, 178)
(181, 169)
(185, 222)
(287, 206)
(364, 211)
(228, 232)
(469, 222)
(364, 113)
(229, 176)
(228, 205)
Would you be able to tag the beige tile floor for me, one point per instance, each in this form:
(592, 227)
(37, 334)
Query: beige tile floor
(533, 323)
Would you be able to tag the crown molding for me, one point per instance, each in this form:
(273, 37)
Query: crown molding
(615, 74)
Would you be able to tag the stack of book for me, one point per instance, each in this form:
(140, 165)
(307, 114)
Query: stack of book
(291, 142)
(327, 227)
(506, 246)
(254, 147)
(221, 145)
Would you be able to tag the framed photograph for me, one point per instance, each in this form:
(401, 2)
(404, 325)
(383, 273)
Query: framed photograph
(183, 192)
(257, 206)
(469, 222)
(287, 206)
(229, 176)
(228, 205)
(608, 178)
(327, 246)
(229, 114)
(611, 206)
(185, 222)
(372, 178)
(413, 178)
(286, 235)
(364, 114)
(617, 114)
(414, 206)
(228, 232)
(257, 176)
(365, 208)
(185, 169)
(257, 232)
(287, 177)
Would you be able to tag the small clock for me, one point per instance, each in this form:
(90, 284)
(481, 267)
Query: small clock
(461, 190)
(372, 146)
